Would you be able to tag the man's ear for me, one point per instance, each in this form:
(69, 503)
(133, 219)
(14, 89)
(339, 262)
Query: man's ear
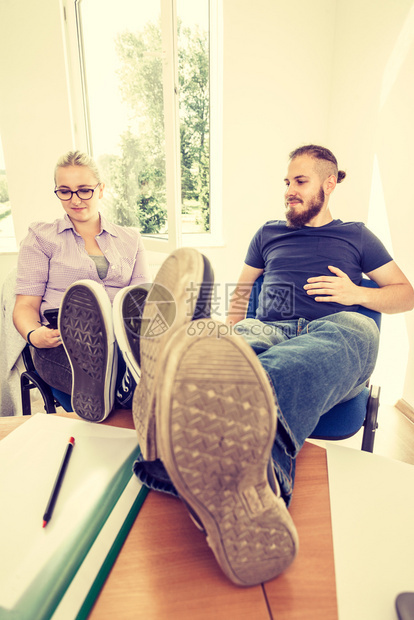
(329, 184)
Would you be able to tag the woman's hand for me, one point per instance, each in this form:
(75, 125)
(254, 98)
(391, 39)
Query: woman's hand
(26, 318)
(45, 338)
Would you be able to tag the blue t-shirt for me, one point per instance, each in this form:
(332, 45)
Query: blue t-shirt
(290, 256)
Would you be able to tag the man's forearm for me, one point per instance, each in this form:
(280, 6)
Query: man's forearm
(389, 299)
(239, 304)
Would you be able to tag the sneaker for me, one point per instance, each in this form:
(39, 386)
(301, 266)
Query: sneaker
(181, 292)
(127, 312)
(216, 424)
(85, 325)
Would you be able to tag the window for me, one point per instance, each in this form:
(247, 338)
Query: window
(7, 237)
(146, 86)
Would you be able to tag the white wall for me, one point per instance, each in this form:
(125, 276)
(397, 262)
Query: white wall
(277, 78)
(35, 123)
(372, 132)
(328, 71)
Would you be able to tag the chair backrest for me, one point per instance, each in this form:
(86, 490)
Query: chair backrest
(373, 314)
(254, 300)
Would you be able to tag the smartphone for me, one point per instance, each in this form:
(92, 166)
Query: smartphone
(51, 316)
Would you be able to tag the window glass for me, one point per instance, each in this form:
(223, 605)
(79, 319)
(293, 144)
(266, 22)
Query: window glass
(194, 84)
(124, 66)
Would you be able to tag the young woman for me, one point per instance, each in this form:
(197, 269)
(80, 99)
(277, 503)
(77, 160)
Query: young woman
(82, 245)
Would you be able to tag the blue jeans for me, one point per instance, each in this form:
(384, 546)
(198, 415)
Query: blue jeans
(312, 366)
(53, 366)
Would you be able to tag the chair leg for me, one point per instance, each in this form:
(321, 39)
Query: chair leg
(371, 420)
(30, 380)
(25, 392)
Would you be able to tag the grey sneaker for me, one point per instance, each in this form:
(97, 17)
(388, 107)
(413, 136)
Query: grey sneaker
(181, 292)
(85, 325)
(127, 310)
(216, 423)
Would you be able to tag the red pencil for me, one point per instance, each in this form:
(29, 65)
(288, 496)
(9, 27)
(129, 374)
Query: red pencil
(58, 482)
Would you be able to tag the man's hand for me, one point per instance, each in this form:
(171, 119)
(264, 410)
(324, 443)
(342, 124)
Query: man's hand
(338, 288)
(45, 338)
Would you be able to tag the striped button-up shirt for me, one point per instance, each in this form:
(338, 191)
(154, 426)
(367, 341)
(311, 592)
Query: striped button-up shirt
(53, 256)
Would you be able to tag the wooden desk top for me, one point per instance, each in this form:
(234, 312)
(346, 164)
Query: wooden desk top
(166, 569)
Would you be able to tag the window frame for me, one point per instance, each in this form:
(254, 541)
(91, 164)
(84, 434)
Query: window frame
(80, 116)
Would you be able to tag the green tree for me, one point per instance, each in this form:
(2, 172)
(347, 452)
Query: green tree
(138, 175)
(152, 194)
(140, 76)
(195, 118)
(121, 204)
(4, 189)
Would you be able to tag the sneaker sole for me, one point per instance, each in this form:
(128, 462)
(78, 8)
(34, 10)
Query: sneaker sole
(128, 307)
(171, 303)
(216, 421)
(87, 338)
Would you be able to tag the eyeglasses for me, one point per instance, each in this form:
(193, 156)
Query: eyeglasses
(82, 194)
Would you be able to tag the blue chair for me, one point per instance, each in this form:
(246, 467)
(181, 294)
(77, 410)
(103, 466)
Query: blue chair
(345, 419)
(29, 379)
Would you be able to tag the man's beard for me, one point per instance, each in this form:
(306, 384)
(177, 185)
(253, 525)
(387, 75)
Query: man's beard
(298, 219)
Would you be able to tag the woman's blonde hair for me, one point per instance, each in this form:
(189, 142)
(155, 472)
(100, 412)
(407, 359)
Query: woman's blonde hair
(77, 158)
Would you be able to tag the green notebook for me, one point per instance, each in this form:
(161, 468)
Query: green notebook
(97, 504)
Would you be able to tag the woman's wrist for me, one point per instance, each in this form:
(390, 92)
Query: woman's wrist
(28, 340)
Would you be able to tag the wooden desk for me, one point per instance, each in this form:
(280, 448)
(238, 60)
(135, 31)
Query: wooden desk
(166, 569)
